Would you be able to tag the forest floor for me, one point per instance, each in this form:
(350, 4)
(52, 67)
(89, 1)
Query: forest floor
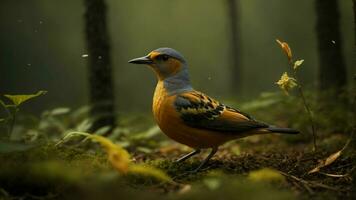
(67, 172)
(37, 163)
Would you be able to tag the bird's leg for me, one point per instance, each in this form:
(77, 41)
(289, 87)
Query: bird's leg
(212, 153)
(185, 157)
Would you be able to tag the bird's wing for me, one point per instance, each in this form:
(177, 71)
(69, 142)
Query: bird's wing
(200, 111)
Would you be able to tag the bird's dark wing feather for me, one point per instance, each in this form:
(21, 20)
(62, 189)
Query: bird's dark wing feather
(200, 111)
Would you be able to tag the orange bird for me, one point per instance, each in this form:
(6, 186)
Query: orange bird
(191, 117)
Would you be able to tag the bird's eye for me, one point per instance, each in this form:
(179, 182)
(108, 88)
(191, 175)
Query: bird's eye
(163, 57)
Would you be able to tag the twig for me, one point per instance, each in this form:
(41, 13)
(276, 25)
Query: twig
(309, 184)
(335, 175)
(304, 182)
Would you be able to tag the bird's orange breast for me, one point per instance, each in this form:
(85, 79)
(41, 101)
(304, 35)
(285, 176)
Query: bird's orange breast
(169, 121)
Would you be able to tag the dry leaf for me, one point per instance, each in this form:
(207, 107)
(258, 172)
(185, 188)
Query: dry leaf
(285, 47)
(329, 160)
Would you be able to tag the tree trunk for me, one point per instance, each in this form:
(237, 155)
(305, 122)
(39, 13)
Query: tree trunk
(236, 75)
(332, 69)
(99, 66)
(354, 2)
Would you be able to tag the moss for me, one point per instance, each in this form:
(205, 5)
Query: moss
(75, 171)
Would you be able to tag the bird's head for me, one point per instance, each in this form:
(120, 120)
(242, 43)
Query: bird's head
(166, 62)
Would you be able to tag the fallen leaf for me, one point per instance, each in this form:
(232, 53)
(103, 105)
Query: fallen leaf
(329, 160)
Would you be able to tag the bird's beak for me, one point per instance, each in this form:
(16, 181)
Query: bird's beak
(141, 60)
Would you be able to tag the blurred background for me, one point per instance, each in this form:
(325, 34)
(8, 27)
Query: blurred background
(43, 47)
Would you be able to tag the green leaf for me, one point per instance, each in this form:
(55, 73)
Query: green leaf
(103, 130)
(297, 64)
(60, 111)
(19, 99)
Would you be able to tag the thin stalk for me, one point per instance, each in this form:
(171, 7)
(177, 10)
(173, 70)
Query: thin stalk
(306, 106)
(13, 120)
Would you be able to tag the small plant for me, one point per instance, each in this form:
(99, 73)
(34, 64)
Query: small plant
(13, 108)
(286, 83)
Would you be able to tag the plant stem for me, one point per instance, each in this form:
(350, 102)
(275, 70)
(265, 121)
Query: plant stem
(13, 120)
(307, 108)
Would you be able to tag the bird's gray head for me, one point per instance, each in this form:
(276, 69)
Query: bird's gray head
(169, 66)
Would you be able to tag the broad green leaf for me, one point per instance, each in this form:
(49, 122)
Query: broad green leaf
(297, 64)
(19, 99)
(266, 175)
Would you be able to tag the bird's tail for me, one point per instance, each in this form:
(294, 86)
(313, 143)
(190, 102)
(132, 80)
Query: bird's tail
(282, 130)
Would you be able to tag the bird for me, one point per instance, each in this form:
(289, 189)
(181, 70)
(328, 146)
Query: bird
(191, 117)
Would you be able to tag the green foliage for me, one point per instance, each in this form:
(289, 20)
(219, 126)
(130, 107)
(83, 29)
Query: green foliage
(17, 100)
(35, 164)
(12, 109)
